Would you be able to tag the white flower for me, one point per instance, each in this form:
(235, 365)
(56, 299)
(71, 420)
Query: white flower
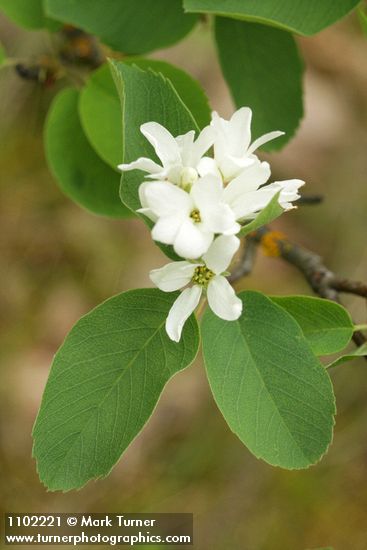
(203, 275)
(233, 150)
(188, 220)
(192, 198)
(247, 195)
(180, 156)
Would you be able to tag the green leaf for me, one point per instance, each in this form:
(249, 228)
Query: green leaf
(126, 26)
(2, 54)
(104, 384)
(301, 16)
(146, 96)
(27, 13)
(359, 352)
(80, 173)
(189, 90)
(271, 389)
(327, 326)
(100, 109)
(100, 115)
(362, 16)
(272, 211)
(263, 70)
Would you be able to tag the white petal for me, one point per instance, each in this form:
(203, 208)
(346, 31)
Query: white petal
(143, 163)
(191, 242)
(250, 179)
(164, 198)
(219, 218)
(223, 300)
(220, 129)
(163, 142)
(173, 276)
(142, 188)
(148, 213)
(181, 311)
(263, 139)
(289, 191)
(208, 166)
(240, 130)
(255, 201)
(166, 228)
(204, 141)
(220, 253)
(231, 166)
(186, 145)
(207, 191)
(232, 137)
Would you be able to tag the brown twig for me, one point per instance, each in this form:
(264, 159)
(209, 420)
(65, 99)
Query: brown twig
(322, 280)
(245, 265)
(310, 200)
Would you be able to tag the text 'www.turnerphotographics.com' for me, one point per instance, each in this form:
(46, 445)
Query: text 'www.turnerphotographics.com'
(98, 529)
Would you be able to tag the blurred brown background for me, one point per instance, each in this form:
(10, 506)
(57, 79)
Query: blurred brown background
(58, 261)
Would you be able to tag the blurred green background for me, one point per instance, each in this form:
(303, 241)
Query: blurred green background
(58, 261)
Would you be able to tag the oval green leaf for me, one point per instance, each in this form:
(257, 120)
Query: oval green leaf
(81, 174)
(271, 389)
(301, 16)
(126, 26)
(327, 326)
(263, 70)
(104, 384)
(100, 109)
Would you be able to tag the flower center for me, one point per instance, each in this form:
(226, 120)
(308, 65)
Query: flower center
(188, 176)
(202, 275)
(195, 215)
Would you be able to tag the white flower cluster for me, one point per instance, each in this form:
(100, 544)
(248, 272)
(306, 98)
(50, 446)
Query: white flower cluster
(198, 203)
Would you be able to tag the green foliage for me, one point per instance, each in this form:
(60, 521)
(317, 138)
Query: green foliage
(2, 54)
(263, 70)
(301, 16)
(100, 109)
(271, 389)
(83, 176)
(271, 211)
(185, 85)
(145, 96)
(128, 27)
(359, 352)
(362, 16)
(104, 384)
(100, 115)
(27, 13)
(327, 326)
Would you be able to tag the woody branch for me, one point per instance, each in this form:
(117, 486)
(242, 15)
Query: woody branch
(322, 280)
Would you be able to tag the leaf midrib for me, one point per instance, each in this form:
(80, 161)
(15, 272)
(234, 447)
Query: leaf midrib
(258, 372)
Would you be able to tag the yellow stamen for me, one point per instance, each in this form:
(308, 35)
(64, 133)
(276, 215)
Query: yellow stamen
(195, 215)
(202, 275)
